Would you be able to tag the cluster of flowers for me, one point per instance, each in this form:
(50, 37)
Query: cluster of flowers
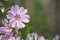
(34, 36)
(17, 17)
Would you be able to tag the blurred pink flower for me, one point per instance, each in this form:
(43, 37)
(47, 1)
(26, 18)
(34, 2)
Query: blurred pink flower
(17, 16)
(6, 31)
(4, 38)
(41, 38)
(1, 37)
(5, 22)
(57, 37)
(35, 35)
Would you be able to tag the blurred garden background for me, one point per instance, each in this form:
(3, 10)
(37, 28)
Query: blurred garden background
(44, 16)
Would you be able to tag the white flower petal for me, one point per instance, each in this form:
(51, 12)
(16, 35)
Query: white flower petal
(3, 10)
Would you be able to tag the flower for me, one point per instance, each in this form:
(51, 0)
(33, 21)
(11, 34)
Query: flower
(35, 35)
(4, 38)
(14, 38)
(41, 38)
(29, 37)
(2, 10)
(1, 37)
(17, 16)
(6, 31)
(6, 24)
(56, 37)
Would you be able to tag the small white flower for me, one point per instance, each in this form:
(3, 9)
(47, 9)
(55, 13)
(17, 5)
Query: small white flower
(2, 10)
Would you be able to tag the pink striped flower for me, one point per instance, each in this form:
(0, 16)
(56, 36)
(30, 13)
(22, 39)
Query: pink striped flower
(6, 31)
(6, 24)
(17, 16)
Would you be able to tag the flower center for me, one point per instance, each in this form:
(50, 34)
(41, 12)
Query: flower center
(17, 17)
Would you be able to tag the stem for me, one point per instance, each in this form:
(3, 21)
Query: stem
(16, 30)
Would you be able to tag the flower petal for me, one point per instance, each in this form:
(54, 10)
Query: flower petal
(13, 22)
(10, 15)
(41, 38)
(23, 11)
(11, 12)
(5, 22)
(20, 24)
(15, 8)
(35, 35)
(25, 18)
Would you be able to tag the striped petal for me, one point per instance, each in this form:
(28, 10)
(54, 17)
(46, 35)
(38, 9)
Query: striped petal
(20, 24)
(13, 22)
(25, 18)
